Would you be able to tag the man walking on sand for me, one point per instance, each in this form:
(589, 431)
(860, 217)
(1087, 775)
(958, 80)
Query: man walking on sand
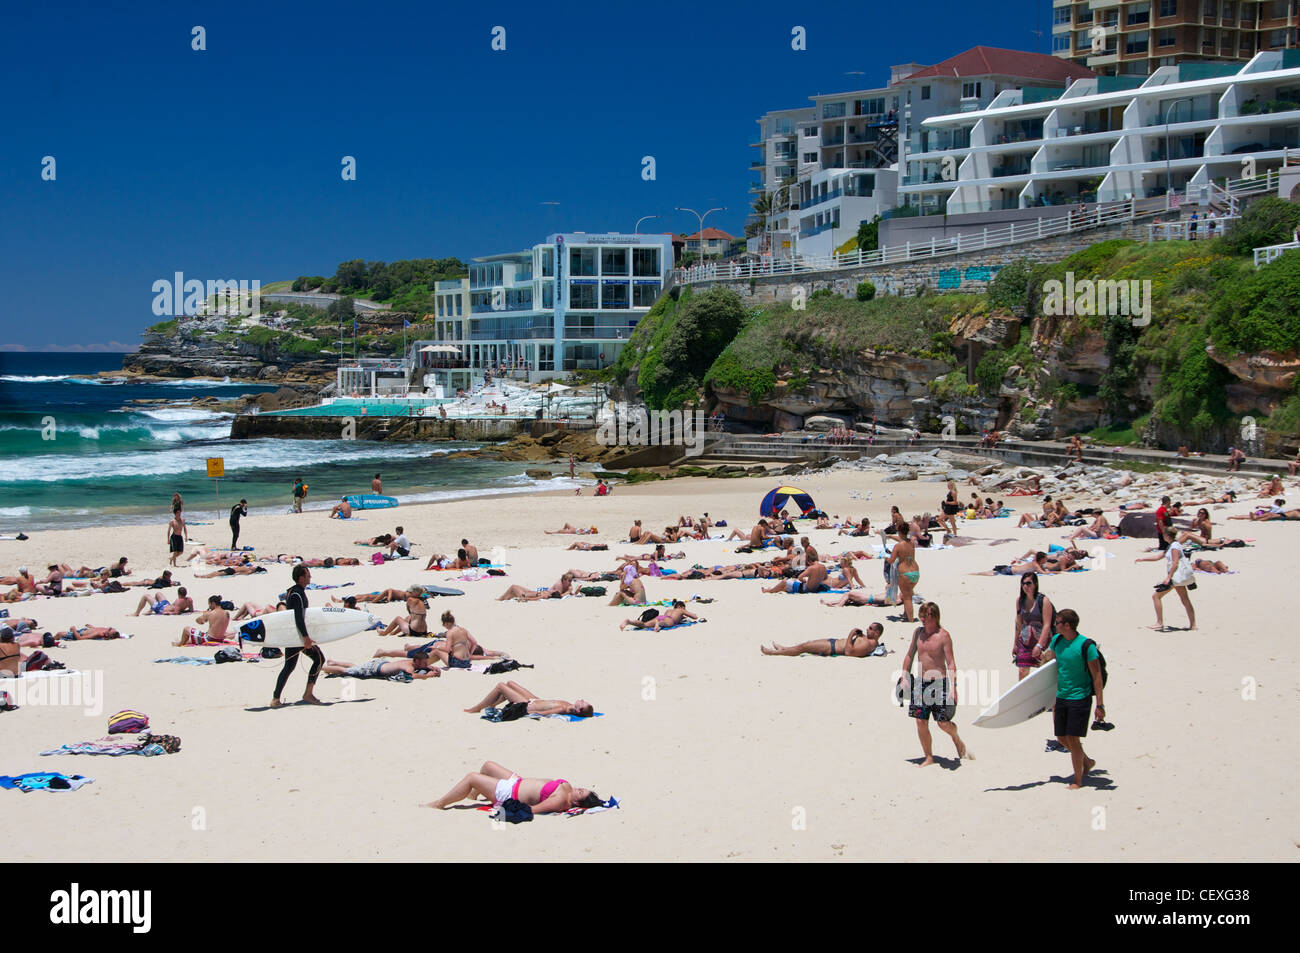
(296, 600)
(935, 691)
(299, 494)
(176, 535)
(1078, 678)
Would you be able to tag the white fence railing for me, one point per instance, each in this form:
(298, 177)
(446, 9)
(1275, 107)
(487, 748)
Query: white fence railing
(1182, 230)
(1075, 221)
(1270, 253)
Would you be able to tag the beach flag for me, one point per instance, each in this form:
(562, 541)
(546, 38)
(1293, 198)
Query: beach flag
(405, 323)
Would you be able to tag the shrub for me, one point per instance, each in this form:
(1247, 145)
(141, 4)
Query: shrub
(1010, 286)
(1259, 311)
(1266, 221)
(866, 291)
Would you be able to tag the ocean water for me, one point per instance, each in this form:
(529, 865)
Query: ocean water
(77, 449)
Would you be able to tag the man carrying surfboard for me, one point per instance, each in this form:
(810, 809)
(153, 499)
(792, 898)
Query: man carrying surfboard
(1078, 678)
(296, 600)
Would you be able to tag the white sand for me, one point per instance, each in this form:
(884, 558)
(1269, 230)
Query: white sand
(715, 751)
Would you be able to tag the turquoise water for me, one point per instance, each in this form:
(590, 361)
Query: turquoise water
(361, 408)
(77, 449)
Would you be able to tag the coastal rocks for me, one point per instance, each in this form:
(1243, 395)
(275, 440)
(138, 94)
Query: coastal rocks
(992, 330)
(534, 474)
(899, 476)
(824, 422)
(1264, 370)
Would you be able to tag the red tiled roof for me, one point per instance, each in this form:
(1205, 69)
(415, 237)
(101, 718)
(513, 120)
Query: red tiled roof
(710, 234)
(988, 60)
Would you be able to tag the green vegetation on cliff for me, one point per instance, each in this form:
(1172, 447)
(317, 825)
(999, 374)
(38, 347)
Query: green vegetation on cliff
(407, 285)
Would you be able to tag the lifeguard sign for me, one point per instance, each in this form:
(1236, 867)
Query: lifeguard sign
(216, 467)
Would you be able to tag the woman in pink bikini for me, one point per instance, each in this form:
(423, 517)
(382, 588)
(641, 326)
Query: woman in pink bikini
(497, 784)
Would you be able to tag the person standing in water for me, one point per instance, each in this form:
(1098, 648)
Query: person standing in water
(237, 512)
(299, 494)
(377, 485)
(296, 601)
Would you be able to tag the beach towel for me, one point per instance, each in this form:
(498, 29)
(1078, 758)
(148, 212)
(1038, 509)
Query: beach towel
(44, 673)
(44, 781)
(187, 660)
(113, 746)
(568, 717)
(318, 585)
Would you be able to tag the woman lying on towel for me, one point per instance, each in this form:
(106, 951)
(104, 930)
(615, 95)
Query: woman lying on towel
(494, 783)
(859, 644)
(665, 620)
(516, 694)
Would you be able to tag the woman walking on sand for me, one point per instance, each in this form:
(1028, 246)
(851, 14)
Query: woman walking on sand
(1179, 576)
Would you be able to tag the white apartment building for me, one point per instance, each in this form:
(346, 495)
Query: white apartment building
(1110, 138)
(790, 150)
(567, 304)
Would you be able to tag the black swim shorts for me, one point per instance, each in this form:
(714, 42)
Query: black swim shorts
(931, 698)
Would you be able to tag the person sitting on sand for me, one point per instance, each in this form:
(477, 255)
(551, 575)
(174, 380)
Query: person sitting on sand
(494, 783)
(824, 522)
(859, 644)
(416, 667)
(1097, 530)
(380, 597)
(157, 605)
(342, 509)
(400, 546)
(516, 694)
(812, 579)
(675, 615)
(217, 620)
(658, 554)
(1272, 488)
(848, 577)
(1277, 511)
(555, 591)
(568, 530)
(631, 591)
(25, 582)
(459, 561)
(52, 584)
(251, 610)
(755, 536)
(416, 623)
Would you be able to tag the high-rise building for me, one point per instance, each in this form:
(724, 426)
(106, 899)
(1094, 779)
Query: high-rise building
(1113, 38)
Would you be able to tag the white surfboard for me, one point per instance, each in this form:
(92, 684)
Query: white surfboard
(325, 623)
(1032, 695)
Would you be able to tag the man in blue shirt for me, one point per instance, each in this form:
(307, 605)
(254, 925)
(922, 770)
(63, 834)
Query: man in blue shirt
(1077, 680)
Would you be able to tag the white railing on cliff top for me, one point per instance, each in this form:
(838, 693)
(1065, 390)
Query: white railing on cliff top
(1101, 216)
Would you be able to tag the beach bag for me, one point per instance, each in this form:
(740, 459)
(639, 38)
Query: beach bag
(36, 662)
(228, 654)
(113, 586)
(649, 615)
(170, 744)
(270, 651)
(127, 722)
(515, 812)
(514, 711)
(1185, 573)
(504, 666)
(377, 559)
(1083, 650)
(496, 572)
(592, 590)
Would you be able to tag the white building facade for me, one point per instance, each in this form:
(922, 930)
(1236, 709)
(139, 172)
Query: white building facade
(1111, 138)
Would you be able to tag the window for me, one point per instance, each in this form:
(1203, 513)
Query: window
(1280, 9)
(1211, 8)
(1083, 14)
(1137, 42)
(809, 157)
(613, 261)
(1060, 44)
(1169, 8)
(925, 92)
(644, 294)
(583, 295)
(548, 296)
(1061, 15)
(582, 261)
(833, 110)
(1139, 13)
(613, 294)
(1277, 39)
(970, 90)
(1229, 10)
(1166, 38)
(548, 262)
(645, 262)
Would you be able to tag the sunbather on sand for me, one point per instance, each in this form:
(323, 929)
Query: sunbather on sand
(383, 596)
(1098, 529)
(157, 605)
(847, 577)
(858, 597)
(88, 632)
(231, 571)
(568, 530)
(1228, 497)
(217, 620)
(556, 591)
(383, 539)
(588, 547)
(663, 620)
(250, 610)
(494, 783)
(859, 644)
(1272, 488)
(631, 591)
(1216, 566)
(417, 667)
(812, 579)
(516, 694)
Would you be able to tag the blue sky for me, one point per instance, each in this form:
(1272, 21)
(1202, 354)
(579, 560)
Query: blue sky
(225, 164)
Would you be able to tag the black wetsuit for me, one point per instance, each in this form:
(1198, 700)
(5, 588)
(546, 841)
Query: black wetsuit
(296, 599)
(236, 512)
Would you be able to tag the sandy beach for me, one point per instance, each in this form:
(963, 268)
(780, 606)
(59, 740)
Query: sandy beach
(714, 751)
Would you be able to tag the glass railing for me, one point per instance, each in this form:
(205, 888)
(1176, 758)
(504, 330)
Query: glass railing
(1180, 113)
(817, 200)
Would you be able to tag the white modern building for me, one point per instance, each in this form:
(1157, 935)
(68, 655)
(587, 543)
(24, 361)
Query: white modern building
(834, 202)
(1110, 138)
(788, 139)
(567, 304)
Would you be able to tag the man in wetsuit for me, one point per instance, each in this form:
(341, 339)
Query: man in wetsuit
(296, 600)
(237, 512)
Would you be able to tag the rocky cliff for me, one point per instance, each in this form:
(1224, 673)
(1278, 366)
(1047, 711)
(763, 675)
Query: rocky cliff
(198, 352)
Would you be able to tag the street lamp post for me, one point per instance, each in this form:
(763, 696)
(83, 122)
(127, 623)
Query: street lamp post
(1169, 182)
(701, 218)
(637, 229)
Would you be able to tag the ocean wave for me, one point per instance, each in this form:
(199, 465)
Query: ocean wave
(34, 378)
(180, 413)
(15, 511)
(242, 456)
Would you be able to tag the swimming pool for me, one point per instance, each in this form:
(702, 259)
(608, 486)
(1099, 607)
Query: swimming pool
(362, 408)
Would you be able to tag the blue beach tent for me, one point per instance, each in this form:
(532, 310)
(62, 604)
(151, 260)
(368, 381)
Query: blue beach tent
(777, 498)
